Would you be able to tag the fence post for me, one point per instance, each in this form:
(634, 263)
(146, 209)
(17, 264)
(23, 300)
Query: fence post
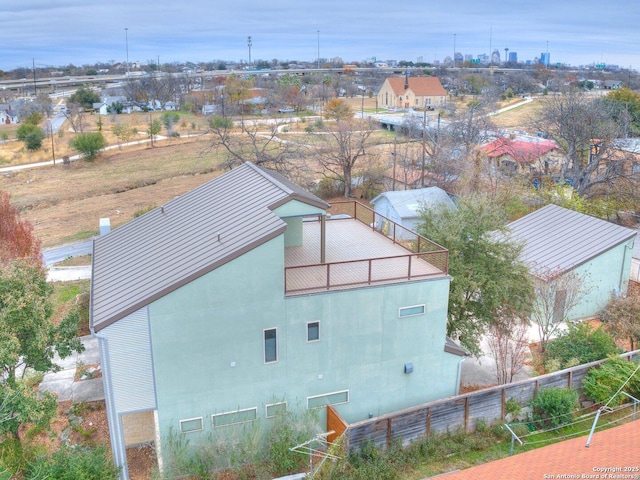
(503, 407)
(569, 378)
(428, 422)
(466, 414)
(388, 433)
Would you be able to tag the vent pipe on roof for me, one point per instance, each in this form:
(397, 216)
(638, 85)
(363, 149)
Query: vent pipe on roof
(105, 226)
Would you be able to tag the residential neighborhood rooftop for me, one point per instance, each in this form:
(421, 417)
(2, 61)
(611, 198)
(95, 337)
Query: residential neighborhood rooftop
(557, 239)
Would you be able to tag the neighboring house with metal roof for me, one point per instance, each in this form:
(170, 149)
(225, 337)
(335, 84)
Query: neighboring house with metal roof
(404, 207)
(241, 299)
(412, 92)
(557, 241)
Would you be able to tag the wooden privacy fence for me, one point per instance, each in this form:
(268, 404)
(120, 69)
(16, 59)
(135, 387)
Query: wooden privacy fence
(462, 411)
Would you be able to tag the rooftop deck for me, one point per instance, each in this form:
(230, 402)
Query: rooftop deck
(358, 254)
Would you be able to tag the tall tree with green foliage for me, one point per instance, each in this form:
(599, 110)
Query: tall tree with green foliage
(32, 136)
(627, 108)
(89, 144)
(28, 342)
(491, 285)
(84, 97)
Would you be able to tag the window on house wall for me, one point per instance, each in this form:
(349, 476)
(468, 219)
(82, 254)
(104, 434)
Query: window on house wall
(417, 101)
(334, 398)
(191, 425)
(411, 311)
(313, 331)
(270, 345)
(275, 409)
(234, 418)
(386, 98)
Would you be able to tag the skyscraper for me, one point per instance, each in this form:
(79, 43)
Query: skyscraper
(513, 57)
(545, 58)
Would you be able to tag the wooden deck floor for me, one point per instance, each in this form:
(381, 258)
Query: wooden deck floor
(372, 259)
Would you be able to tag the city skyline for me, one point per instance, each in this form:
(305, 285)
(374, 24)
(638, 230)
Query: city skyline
(75, 32)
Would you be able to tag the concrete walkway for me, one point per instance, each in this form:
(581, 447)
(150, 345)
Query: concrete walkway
(63, 382)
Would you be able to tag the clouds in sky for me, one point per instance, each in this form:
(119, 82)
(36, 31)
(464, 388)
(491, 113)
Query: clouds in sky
(88, 31)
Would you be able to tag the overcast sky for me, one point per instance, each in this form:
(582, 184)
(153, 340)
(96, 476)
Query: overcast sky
(59, 32)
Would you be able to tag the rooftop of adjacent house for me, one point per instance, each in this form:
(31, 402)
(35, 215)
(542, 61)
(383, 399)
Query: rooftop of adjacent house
(186, 238)
(420, 86)
(521, 151)
(610, 452)
(409, 203)
(557, 239)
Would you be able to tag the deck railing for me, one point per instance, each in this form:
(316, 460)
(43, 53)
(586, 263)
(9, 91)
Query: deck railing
(345, 274)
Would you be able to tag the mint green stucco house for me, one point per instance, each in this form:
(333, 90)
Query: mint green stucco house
(244, 298)
(558, 242)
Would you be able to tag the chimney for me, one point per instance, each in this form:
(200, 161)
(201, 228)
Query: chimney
(406, 79)
(105, 226)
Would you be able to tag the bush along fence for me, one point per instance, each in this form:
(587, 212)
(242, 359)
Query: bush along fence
(463, 411)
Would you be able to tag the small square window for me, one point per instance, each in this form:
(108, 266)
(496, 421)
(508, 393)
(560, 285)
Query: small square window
(270, 345)
(313, 331)
(411, 311)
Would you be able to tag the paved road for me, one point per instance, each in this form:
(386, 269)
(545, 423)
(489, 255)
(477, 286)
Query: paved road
(54, 255)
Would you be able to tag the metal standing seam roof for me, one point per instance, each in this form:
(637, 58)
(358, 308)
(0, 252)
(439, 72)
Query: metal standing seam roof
(409, 203)
(557, 239)
(186, 238)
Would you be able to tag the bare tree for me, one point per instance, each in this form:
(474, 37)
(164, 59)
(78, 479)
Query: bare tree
(509, 347)
(254, 142)
(557, 293)
(341, 147)
(622, 318)
(585, 130)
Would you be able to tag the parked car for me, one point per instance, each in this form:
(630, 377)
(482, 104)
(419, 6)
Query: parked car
(285, 110)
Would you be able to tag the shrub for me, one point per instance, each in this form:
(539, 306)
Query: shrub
(580, 344)
(603, 381)
(32, 135)
(553, 407)
(72, 464)
(89, 144)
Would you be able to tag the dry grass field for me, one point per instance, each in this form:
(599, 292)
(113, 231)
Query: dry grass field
(65, 202)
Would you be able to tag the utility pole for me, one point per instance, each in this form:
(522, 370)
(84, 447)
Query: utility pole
(454, 51)
(35, 90)
(318, 49)
(424, 144)
(126, 37)
(53, 150)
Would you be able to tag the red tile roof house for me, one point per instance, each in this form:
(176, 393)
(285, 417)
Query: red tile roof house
(523, 157)
(412, 92)
(612, 453)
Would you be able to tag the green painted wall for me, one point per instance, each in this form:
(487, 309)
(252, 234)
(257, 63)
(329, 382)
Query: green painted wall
(199, 331)
(604, 274)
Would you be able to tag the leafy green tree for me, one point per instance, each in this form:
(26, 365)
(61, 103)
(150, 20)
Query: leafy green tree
(622, 318)
(155, 127)
(627, 104)
(602, 382)
(85, 97)
(32, 135)
(34, 118)
(28, 341)
(491, 285)
(123, 132)
(115, 107)
(581, 343)
(88, 144)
